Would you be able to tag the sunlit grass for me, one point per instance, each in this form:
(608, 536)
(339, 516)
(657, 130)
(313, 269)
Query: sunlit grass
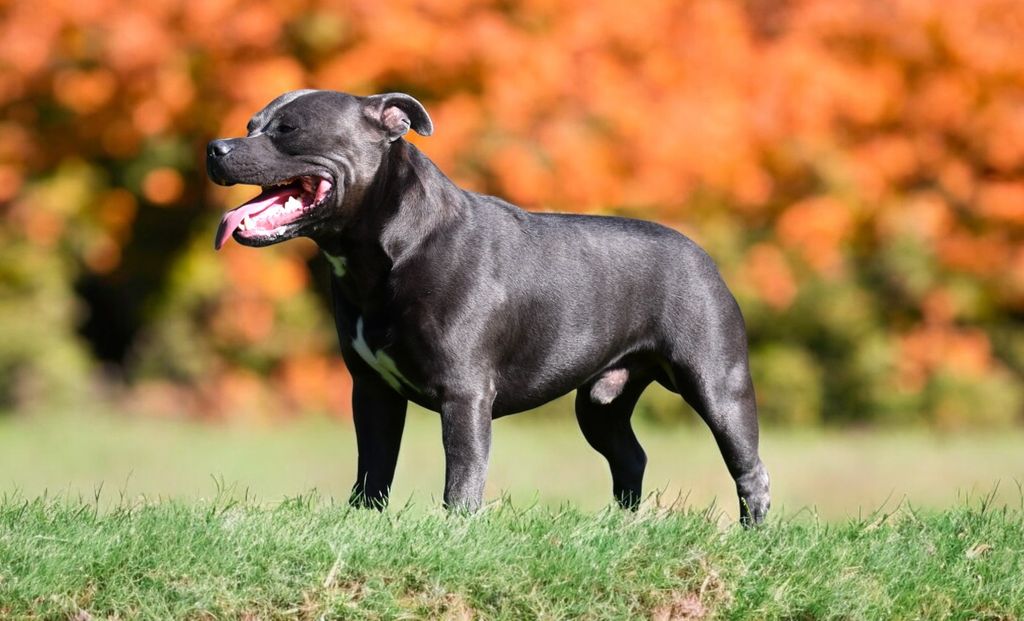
(310, 558)
(129, 517)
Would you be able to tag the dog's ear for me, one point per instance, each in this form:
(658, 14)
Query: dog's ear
(397, 113)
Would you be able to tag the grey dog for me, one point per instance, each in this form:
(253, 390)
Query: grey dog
(474, 308)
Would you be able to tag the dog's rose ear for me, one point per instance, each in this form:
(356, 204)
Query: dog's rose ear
(397, 113)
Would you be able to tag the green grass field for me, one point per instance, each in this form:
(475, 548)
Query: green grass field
(124, 517)
(309, 559)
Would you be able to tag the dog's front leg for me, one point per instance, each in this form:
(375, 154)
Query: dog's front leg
(466, 434)
(378, 413)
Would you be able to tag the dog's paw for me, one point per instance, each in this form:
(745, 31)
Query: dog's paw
(755, 499)
(753, 510)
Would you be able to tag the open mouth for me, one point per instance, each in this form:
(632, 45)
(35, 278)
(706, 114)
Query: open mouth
(275, 209)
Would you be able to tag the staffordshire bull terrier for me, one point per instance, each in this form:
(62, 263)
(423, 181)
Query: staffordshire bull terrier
(475, 308)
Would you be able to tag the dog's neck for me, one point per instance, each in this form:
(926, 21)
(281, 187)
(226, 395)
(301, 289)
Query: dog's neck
(405, 203)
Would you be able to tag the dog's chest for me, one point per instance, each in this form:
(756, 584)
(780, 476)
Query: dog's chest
(379, 360)
(369, 338)
(339, 264)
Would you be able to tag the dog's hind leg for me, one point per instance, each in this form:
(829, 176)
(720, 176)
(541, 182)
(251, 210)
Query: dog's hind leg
(604, 407)
(720, 390)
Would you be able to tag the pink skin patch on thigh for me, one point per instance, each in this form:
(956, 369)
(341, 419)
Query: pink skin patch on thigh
(609, 386)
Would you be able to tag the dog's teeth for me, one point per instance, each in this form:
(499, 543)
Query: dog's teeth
(293, 203)
(246, 223)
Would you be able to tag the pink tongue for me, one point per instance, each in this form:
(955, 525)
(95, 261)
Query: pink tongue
(233, 218)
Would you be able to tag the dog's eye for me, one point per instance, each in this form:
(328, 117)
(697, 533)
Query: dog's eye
(285, 129)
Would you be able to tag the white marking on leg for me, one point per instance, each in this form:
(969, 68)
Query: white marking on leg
(339, 264)
(382, 363)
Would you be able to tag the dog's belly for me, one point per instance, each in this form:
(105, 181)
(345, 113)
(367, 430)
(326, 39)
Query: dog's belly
(534, 353)
(534, 377)
(507, 401)
(532, 381)
(512, 399)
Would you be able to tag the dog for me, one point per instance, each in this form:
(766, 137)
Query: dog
(476, 309)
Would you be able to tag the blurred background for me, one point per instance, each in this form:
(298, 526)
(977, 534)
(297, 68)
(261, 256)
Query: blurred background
(855, 167)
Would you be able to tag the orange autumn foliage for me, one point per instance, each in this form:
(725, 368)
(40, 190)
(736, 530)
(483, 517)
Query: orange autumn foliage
(876, 146)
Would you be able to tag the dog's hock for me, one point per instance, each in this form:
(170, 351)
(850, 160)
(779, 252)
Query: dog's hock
(397, 113)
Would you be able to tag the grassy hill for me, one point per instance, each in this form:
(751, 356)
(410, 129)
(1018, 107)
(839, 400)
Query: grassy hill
(308, 558)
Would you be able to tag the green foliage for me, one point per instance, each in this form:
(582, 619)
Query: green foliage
(311, 559)
(956, 402)
(41, 357)
(660, 405)
(789, 386)
(182, 341)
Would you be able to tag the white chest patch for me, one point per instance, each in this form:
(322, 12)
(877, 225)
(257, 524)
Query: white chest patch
(339, 265)
(382, 363)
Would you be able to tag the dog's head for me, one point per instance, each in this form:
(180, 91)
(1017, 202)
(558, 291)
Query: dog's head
(309, 150)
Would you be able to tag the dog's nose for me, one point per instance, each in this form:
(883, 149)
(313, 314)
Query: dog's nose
(218, 148)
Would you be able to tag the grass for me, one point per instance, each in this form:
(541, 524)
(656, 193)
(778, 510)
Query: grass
(536, 460)
(309, 558)
(116, 517)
